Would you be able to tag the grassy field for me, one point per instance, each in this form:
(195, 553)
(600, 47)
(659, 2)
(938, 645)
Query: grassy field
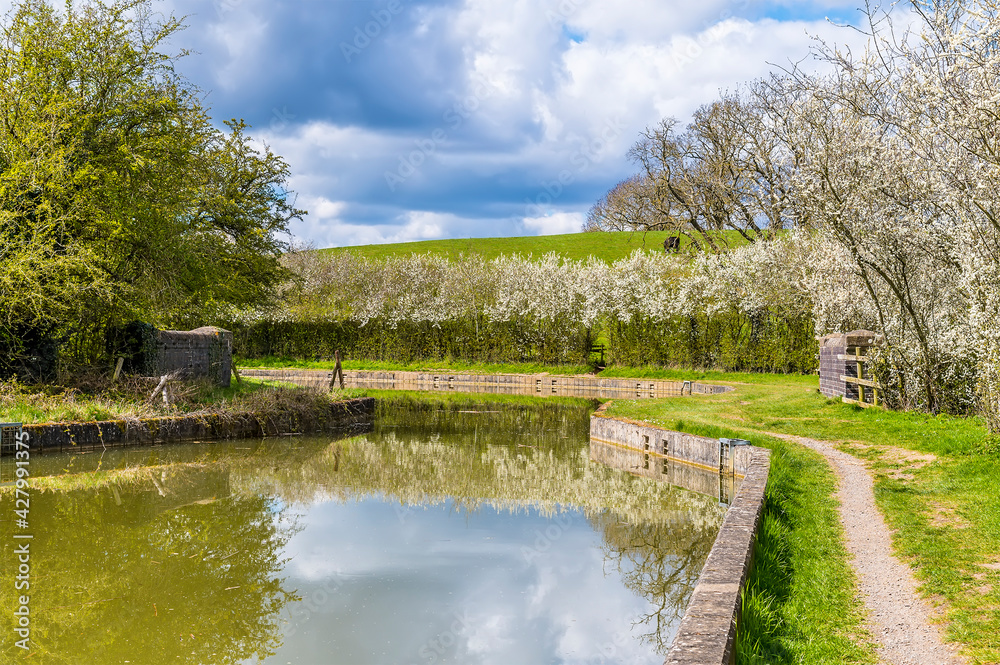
(607, 246)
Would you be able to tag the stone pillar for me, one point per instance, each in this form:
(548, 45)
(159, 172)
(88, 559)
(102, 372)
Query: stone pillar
(831, 366)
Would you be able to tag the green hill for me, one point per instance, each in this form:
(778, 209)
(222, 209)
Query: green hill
(607, 246)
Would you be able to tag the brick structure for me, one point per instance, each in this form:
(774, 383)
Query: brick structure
(833, 365)
(202, 352)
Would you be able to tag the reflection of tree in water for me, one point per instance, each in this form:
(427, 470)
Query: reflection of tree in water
(510, 457)
(176, 571)
(180, 563)
(660, 561)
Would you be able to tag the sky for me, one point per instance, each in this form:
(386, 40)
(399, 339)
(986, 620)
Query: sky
(408, 120)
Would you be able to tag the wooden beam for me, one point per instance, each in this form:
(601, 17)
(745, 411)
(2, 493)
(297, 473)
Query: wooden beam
(860, 382)
(847, 356)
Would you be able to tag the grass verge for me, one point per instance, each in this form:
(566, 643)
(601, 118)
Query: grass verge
(129, 398)
(936, 482)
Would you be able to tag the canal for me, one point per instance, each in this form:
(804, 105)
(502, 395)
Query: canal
(449, 532)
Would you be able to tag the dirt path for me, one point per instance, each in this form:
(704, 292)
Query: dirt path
(898, 617)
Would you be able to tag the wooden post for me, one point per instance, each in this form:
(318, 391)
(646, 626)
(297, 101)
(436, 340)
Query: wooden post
(860, 365)
(236, 373)
(337, 371)
(118, 369)
(162, 387)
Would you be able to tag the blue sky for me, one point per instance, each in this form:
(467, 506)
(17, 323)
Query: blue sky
(417, 119)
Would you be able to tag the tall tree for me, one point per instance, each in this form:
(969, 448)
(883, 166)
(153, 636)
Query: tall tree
(119, 199)
(727, 170)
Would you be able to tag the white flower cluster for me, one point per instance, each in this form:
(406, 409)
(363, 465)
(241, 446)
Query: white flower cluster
(898, 167)
(427, 288)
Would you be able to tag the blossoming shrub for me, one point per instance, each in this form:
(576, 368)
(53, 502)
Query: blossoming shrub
(711, 311)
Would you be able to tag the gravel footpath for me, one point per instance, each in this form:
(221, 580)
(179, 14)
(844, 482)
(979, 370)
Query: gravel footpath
(898, 617)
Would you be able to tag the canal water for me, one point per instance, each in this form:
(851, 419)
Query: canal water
(481, 533)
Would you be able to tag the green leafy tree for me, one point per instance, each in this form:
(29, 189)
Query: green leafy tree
(119, 199)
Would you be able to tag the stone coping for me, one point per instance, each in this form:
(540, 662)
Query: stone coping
(175, 429)
(707, 632)
(542, 385)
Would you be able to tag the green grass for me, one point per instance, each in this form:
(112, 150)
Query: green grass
(945, 514)
(272, 362)
(708, 376)
(947, 525)
(607, 246)
(799, 604)
(129, 399)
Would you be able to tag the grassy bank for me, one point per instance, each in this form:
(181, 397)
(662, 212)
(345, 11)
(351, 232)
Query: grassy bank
(129, 398)
(936, 483)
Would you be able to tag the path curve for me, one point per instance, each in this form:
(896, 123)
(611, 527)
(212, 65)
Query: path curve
(897, 615)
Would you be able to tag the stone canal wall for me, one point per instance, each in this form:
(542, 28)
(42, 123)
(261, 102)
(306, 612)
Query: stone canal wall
(707, 633)
(699, 451)
(175, 429)
(505, 384)
(719, 486)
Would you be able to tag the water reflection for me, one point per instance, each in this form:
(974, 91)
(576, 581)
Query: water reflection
(179, 570)
(480, 534)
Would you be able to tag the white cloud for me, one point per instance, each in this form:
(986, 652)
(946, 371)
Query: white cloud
(559, 74)
(560, 222)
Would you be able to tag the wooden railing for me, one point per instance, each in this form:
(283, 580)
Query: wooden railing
(866, 387)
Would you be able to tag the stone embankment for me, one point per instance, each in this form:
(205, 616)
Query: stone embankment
(176, 429)
(542, 385)
(707, 633)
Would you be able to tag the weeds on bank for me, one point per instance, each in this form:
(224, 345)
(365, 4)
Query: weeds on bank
(129, 398)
